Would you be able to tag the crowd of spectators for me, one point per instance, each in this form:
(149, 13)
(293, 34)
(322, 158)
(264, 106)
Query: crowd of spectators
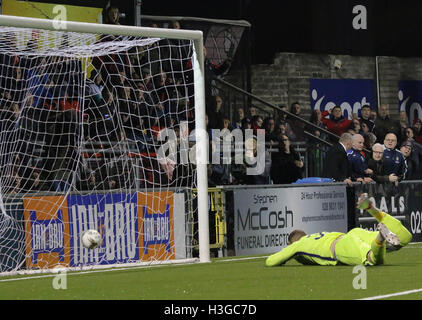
(129, 97)
(378, 149)
(355, 158)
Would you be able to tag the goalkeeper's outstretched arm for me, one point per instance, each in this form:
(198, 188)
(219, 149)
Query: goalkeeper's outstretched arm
(282, 256)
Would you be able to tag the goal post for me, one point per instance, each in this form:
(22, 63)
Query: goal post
(128, 156)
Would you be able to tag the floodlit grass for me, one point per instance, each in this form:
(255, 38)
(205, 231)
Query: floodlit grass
(227, 279)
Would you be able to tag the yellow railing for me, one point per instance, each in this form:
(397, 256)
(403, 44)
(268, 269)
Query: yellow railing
(216, 210)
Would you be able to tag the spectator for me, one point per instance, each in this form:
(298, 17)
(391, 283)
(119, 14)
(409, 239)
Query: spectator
(417, 130)
(336, 164)
(252, 112)
(216, 113)
(253, 162)
(355, 126)
(146, 76)
(270, 130)
(364, 129)
(284, 126)
(36, 184)
(70, 106)
(416, 148)
(87, 180)
(404, 121)
(212, 70)
(132, 120)
(111, 15)
(286, 164)
(257, 123)
(62, 172)
(95, 87)
(316, 119)
(365, 118)
(369, 141)
(380, 175)
(406, 150)
(373, 116)
(393, 159)
(180, 51)
(226, 126)
(384, 124)
(246, 124)
(297, 125)
(39, 82)
(336, 122)
(358, 167)
(105, 128)
(238, 117)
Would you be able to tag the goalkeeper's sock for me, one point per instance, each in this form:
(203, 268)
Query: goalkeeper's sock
(378, 250)
(392, 223)
(376, 213)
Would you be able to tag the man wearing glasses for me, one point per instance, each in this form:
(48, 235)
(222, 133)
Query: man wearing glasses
(375, 163)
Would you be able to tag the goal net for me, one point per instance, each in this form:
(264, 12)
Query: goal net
(96, 133)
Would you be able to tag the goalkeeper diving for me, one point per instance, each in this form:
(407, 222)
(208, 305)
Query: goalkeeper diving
(356, 247)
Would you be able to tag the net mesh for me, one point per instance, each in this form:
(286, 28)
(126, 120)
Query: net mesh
(81, 125)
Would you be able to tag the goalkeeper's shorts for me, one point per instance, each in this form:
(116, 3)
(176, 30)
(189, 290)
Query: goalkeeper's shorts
(353, 247)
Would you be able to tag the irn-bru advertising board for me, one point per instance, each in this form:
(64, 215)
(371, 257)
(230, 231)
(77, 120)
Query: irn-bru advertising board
(134, 227)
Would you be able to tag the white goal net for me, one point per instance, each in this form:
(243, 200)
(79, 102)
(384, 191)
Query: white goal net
(95, 134)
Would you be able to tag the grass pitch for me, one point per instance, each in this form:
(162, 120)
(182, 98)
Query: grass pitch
(237, 278)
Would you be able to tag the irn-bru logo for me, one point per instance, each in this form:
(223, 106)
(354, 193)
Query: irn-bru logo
(114, 216)
(156, 228)
(156, 234)
(46, 233)
(47, 236)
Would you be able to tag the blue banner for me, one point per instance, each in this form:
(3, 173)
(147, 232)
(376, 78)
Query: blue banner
(410, 99)
(115, 217)
(349, 94)
(134, 227)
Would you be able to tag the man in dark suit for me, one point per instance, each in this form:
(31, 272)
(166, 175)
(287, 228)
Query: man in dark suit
(336, 164)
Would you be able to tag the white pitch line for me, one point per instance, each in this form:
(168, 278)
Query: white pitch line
(74, 272)
(392, 295)
(241, 259)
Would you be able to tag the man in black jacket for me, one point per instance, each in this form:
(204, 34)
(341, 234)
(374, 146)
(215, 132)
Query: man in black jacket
(380, 174)
(336, 164)
(365, 117)
(384, 124)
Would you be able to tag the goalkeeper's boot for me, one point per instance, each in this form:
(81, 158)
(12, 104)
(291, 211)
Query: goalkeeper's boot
(389, 236)
(364, 202)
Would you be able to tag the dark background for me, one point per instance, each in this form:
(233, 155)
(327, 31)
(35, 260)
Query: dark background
(317, 26)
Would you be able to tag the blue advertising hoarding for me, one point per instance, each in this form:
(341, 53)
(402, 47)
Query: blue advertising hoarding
(410, 99)
(349, 94)
(133, 226)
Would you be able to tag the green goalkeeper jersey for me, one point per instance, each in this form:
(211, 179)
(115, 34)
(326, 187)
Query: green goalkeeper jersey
(311, 249)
